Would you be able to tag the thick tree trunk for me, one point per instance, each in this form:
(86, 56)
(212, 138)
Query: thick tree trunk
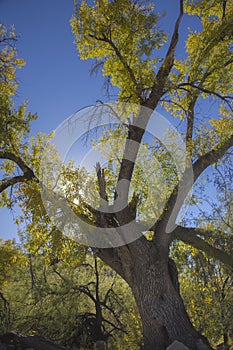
(163, 315)
(153, 279)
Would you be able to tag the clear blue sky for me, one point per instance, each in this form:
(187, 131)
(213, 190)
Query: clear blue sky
(54, 81)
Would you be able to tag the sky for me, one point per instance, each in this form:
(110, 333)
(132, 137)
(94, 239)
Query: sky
(54, 81)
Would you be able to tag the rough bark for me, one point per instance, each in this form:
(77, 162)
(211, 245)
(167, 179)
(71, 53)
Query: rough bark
(162, 311)
(153, 279)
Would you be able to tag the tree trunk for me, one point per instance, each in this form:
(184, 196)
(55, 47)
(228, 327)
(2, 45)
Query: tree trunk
(153, 279)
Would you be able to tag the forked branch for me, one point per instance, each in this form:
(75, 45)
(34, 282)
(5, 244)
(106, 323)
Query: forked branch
(28, 174)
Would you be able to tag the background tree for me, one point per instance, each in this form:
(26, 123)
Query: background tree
(74, 303)
(10, 257)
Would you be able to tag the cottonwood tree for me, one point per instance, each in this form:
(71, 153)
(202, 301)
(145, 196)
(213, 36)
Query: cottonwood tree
(125, 39)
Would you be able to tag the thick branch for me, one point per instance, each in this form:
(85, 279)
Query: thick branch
(190, 236)
(5, 183)
(28, 174)
(16, 159)
(136, 133)
(190, 125)
(210, 157)
(181, 190)
(111, 258)
(167, 65)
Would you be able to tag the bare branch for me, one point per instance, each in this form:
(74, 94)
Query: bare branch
(115, 327)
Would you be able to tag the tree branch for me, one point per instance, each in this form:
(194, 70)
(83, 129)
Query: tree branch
(190, 125)
(115, 327)
(136, 133)
(111, 257)
(207, 91)
(199, 88)
(119, 55)
(167, 64)
(214, 69)
(18, 160)
(5, 183)
(101, 182)
(28, 174)
(190, 236)
(210, 157)
(174, 202)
